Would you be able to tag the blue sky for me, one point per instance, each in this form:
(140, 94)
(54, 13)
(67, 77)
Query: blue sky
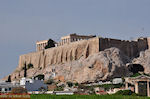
(23, 22)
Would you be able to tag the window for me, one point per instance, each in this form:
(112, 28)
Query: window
(28, 81)
(9, 89)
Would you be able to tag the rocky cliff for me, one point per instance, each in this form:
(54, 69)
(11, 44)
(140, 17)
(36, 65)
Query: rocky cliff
(144, 60)
(60, 54)
(57, 55)
(82, 61)
(99, 66)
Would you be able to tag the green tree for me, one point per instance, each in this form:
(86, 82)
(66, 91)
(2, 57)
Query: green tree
(25, 70)
(50, 44)
(76, 84)
(30, 65)
(124, 92)
(9, 78)
(39, 77)
(70, 84)
(59, 88)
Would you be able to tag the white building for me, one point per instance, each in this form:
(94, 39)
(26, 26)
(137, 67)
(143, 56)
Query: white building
(117, 81)
(63, 92)
(6, 87)
(32, 84)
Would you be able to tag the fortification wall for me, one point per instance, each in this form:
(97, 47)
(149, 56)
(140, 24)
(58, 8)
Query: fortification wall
(129, 48)
(142, 44)
(60, 54)
(83, 48)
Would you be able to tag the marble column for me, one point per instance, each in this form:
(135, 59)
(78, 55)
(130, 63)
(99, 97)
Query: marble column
(136, 87)
(67, 40)
(42, 46)
(63, 42)
(36, 47)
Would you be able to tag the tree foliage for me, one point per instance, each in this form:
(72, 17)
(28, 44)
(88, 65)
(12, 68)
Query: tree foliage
(59, 88)
(25, 70)
(39, 77)
(76, 84)
(9, 78)
(50, 44)
(70, 84)
(30, 65)
(125, 92)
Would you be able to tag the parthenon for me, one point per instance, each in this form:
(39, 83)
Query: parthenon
(130, 48)
(74, 37)
(40, 45)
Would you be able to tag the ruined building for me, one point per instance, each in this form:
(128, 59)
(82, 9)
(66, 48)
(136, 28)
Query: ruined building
(73, 47)
(74, 37)
(40, 45)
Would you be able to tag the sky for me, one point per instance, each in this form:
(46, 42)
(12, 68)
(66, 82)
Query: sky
(23, 22)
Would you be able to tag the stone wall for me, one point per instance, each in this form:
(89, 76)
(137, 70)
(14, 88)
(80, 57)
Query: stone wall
(129, 48)
(60, 54)
(83, 48)
(142, 44)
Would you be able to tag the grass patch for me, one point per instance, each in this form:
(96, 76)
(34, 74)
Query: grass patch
(135, 75)
(108, 86)
(47, 96)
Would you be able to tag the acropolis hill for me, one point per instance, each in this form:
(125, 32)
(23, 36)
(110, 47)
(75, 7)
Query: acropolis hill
(82, 58)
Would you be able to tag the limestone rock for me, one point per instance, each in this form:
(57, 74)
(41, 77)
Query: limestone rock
(99, 66)
(144, 60)
(86, 60)
(60, 54)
